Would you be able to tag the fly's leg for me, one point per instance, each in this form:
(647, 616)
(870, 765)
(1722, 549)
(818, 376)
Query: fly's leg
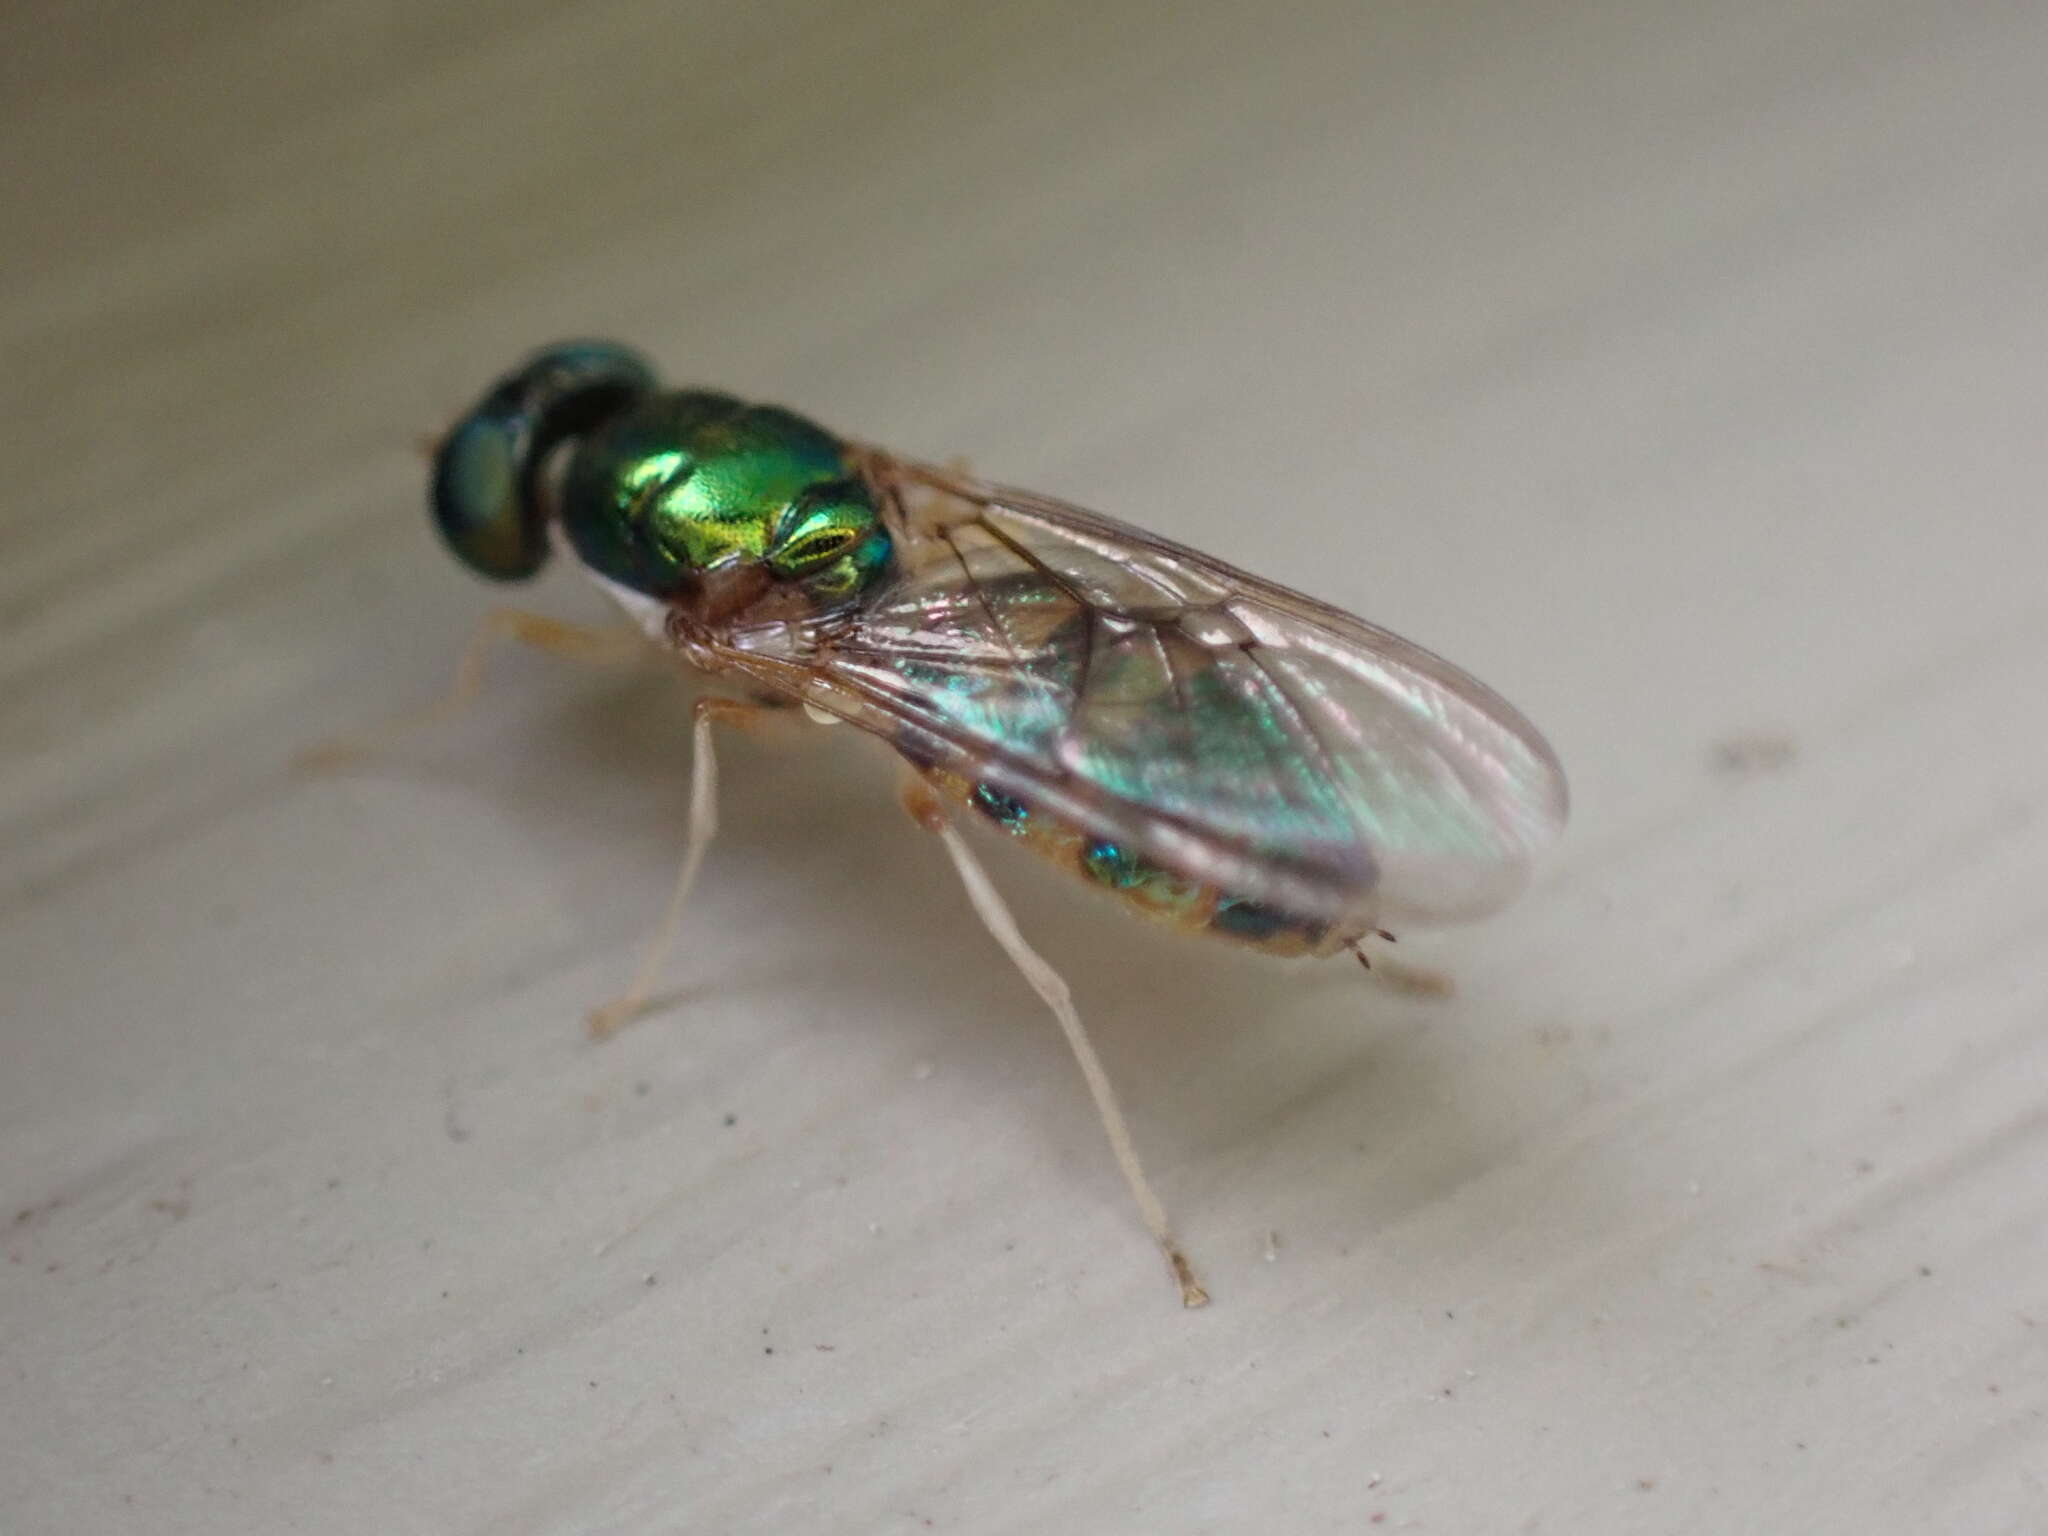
(1415, 980)
(599, 647)
(614, 1015)
(609, 647)
(926, 809)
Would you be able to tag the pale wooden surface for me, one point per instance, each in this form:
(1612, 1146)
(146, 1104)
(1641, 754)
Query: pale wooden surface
(1679, 369)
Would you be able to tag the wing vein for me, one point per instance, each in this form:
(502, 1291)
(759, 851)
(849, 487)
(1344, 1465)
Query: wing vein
(1234, 731)
(974, 585)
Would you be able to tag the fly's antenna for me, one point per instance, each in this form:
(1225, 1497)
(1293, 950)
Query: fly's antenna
(487, 495)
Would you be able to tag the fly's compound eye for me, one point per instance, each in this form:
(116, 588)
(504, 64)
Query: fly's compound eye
(486, 494)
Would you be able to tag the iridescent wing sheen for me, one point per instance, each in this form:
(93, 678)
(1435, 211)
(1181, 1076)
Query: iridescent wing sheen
(1225, 728)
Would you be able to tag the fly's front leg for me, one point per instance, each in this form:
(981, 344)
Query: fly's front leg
(614, 1015)
(609, 647)
(578, 642)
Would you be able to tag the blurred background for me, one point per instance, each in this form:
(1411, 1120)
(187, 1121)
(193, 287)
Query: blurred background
(1678, 369)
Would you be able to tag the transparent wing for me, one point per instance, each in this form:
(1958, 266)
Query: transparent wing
(1221, 726)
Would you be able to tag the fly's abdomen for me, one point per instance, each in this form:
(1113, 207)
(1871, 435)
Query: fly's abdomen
(1145, 888)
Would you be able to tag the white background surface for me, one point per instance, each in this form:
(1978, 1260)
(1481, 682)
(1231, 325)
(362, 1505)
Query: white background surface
(1679, 369)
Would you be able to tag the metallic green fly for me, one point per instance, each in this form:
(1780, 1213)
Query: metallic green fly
(1222, 753)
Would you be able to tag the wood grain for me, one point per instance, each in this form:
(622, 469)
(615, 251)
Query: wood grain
(1678, 369)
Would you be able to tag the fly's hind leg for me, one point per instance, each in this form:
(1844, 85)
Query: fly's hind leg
(1415, 980)
(929, 812)
(598, 647)
(614, 1015)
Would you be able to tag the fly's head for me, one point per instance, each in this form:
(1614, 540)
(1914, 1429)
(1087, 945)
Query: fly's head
(700, 500)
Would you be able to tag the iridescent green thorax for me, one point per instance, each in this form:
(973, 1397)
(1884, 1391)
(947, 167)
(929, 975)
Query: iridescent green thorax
(686, 482)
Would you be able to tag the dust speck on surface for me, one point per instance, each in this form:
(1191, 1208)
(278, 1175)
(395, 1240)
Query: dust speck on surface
(29, 1214)
(1743, 753)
